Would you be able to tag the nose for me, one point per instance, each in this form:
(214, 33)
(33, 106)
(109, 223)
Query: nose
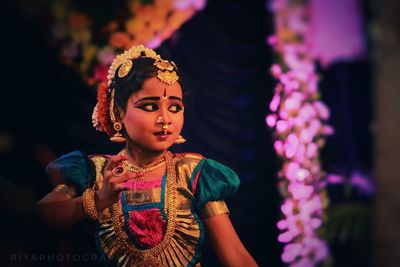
(163, 119)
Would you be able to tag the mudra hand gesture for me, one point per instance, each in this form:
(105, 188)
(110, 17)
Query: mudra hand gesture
(114, 178)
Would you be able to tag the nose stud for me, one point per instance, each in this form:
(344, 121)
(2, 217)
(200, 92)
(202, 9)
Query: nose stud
(159, 120)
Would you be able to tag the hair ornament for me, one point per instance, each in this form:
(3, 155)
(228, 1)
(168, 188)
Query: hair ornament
(133, 53)
(125, 68)
(162, 64)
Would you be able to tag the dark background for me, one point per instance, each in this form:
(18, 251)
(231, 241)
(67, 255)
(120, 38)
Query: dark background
(46, 112)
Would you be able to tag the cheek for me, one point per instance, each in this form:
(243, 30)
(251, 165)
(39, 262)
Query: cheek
(134, 122)
(179, 120)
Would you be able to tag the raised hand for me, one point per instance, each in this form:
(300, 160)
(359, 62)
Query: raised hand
(114, 177)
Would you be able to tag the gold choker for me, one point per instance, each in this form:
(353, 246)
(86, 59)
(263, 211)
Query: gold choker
(144, 169)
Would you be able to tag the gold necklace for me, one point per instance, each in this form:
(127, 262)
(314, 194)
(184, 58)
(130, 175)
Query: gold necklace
(150, 255)
(146, 168)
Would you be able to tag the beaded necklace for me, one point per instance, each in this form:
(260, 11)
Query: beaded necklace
(146, 168)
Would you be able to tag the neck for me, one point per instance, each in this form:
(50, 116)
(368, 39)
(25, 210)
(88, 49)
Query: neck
(140, 156)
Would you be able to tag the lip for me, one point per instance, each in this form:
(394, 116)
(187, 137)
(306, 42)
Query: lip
(162, 135)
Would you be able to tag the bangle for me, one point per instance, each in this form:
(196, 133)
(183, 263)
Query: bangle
(89, 206)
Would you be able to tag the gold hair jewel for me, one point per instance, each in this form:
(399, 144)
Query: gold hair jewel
(125, 68)
(162, 64)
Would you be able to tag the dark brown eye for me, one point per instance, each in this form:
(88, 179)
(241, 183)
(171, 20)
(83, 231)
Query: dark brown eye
(150, 107)
(175, 108)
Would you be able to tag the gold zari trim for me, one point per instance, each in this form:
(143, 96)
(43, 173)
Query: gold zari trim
(68, 191)
(213, 208)
(149, 257)
(140, 197)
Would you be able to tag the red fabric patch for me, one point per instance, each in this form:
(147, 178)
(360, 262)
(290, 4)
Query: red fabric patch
(196, 179)
(147, 227)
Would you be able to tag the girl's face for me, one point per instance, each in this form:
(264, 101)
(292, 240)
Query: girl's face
(154, 115)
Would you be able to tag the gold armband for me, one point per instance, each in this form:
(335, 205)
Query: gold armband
(68, 191)
(89, 206)
(213, 208)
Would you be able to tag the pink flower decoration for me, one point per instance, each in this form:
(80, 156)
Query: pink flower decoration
(271, 120)
(292, 104)
(282, 224)
(282, 126)
(315, 223)
(276, 70)
(302, 174)
(291, 171)
(312, 149)
(287, 207)
(306, 135)
(285, 237)
(278, 145)
(300, 191)
(322, 110)
(272, 40)
(273, 106)
(327, 130)
(290, 252)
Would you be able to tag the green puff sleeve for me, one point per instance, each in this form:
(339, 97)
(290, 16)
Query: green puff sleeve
(73, 169)
(212, 181)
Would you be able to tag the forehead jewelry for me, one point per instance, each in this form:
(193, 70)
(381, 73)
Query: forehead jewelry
(166, 72)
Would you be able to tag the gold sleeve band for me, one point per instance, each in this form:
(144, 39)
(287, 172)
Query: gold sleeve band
(89, 206)
(68, 191)
(213, 208)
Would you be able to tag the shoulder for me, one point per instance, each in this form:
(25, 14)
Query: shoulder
(188, 156)
(99, 159)
(188, 159)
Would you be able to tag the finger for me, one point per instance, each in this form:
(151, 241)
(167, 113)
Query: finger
(126, 177)
(120, 187)
(115, 161)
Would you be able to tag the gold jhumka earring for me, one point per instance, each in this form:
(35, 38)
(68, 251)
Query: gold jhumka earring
(180, 140)
(117, 137)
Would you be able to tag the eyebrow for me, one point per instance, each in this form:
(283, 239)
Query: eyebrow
(155, 98)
